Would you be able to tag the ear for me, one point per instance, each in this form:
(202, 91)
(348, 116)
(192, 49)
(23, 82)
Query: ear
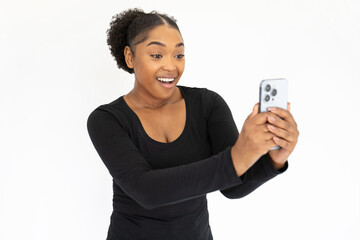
(129, 59)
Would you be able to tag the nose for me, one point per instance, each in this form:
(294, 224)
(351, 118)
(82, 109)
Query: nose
(169, 64)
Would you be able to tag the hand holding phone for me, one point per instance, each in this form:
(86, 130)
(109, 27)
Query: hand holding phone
(273, 93)
(253, 142)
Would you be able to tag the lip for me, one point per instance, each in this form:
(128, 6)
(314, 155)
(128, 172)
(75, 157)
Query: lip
(167, 85)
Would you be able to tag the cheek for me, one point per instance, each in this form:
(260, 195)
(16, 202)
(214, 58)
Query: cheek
(146, 68)
(145, 71)
(181, 67)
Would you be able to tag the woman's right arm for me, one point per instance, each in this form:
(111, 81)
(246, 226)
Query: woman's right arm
(149, 187)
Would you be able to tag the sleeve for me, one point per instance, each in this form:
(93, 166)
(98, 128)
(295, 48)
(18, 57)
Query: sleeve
(153, 188)
(224, 133)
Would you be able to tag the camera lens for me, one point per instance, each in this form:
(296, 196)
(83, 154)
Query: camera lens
(268, 87)
(267, 98)
(274, 92)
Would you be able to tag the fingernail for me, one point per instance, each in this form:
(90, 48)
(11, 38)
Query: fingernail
(271, 119)
(271, 127)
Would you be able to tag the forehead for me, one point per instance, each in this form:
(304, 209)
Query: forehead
(165, 34)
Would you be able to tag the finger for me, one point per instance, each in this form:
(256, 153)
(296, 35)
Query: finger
(281, 112)
(264, 136)
(268, 136)
(281, 123)
(255, 110)
(281, 133)
(283, 143)
(288, 106)
(264, 128)
(270, 143)
(285, 114)
(262, 117)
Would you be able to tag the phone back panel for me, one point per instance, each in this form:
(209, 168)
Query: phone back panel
(273, 93)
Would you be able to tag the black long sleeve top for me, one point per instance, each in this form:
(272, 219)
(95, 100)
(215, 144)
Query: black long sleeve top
(160, 188)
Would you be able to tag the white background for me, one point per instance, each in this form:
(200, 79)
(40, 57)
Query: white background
(55, 68)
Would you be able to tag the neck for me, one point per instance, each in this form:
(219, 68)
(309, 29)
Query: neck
(141, 98)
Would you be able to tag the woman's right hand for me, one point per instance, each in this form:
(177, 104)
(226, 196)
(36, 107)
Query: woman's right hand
(254, 141)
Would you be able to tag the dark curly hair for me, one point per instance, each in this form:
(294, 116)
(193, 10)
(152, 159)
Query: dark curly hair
(130, 28)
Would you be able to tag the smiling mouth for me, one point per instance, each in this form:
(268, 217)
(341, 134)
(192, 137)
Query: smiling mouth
(166, 80)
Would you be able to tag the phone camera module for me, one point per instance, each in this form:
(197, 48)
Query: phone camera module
(268, 87)
(267, 98)
(274, 92)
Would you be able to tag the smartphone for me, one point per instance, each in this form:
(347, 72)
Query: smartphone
(273, 93)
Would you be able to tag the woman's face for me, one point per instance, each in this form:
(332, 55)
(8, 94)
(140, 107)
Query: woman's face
(159, 62)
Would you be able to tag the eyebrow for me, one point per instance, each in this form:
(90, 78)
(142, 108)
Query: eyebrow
(163, 45)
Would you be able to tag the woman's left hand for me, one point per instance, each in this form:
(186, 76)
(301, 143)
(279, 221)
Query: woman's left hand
(286, 133)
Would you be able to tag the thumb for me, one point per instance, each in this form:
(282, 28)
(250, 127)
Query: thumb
(255, 110)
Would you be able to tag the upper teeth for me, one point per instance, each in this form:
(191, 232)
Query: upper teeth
(166, 79)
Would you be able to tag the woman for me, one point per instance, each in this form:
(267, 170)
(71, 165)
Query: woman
(166, 146)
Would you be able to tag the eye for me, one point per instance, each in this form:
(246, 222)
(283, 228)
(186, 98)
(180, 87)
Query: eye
(156, 55)
(180, 56)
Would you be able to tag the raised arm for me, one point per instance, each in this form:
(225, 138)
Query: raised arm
(224, 133)
(155, 188)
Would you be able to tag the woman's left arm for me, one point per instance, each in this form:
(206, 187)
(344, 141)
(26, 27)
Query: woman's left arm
(223, 133)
